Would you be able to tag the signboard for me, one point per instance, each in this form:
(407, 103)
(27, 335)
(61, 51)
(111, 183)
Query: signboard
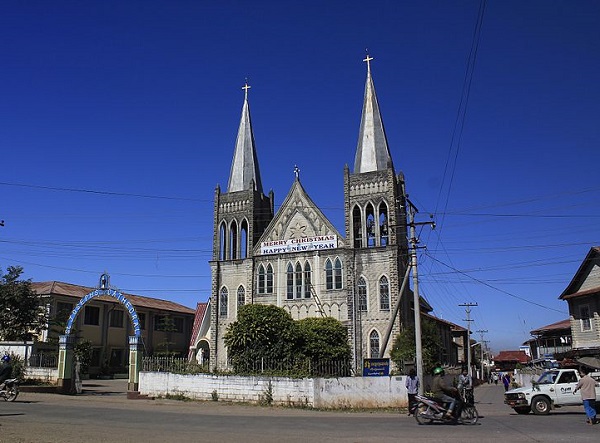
(111, 293)
(315, 243)
(376, 367)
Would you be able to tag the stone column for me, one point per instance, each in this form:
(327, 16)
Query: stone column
(66, 382)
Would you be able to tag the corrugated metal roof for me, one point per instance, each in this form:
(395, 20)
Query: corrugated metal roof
(563, 324)
(139, 301)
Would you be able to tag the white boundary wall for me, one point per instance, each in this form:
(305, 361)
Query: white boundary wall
(347, 392)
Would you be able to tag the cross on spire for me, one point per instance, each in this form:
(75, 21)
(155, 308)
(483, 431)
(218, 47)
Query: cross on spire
(297, 172)
(245, 88)
(368, 61)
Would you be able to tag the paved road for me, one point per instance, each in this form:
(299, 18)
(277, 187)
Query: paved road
(103, 414)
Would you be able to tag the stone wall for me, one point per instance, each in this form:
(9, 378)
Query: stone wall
(347, 392)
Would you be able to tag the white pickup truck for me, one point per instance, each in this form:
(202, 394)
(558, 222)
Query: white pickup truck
(552, 390)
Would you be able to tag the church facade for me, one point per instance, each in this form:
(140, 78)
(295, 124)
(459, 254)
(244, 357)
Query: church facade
(296, 259)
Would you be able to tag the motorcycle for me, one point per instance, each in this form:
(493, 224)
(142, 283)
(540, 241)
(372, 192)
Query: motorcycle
(429, 409)
(10, 391)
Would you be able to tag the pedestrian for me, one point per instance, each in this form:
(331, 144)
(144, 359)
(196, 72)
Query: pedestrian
(495, 378)
(506, 381)
(412, 387)
(587, 385)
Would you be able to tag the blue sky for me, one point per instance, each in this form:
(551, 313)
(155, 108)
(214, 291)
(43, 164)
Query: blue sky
(118, 119)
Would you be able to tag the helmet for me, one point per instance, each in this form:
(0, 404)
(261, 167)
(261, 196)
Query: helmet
(439, 371)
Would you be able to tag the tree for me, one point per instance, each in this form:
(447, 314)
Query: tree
(22, 314)
(167, 325)
(261, 332)
(323, 339)
(324, 343)
(403, 348)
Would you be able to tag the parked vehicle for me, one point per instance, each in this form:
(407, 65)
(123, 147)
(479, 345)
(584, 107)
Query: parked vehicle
(429, 409)
(552, 390)
(10, 390)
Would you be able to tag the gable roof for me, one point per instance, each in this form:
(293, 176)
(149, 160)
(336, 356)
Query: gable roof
(77, 291)
(563, 324)
(576, 286)
(198, 318)
(512, 356)
(298, 217)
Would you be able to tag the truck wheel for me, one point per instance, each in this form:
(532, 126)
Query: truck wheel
(540, 405)
(523, 411)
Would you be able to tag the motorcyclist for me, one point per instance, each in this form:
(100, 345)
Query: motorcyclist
(6, 370)
(442, 391)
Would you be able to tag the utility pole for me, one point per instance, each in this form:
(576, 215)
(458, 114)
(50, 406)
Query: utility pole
(413, 240)
(468, 320)
(481, 343)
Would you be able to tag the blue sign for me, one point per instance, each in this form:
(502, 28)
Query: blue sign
(376, 367)
(111, 293)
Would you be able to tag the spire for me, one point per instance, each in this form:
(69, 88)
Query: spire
(372, 152)
(244, 168)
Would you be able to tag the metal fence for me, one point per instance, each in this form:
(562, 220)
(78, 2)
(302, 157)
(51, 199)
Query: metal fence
(43, 361)
(178, 365)
(294, 368)
(284, 368)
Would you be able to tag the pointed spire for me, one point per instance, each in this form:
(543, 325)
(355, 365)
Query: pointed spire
(244, 168)
(372, 152)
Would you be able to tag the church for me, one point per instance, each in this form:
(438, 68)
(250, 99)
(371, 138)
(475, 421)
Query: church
(296, 259)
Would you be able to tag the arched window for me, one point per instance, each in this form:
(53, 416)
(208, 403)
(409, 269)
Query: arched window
(244, 239)
(290, 282)
(298, 278)
(328, 274)
(370, 222)
(384, 294)
(338, 274)
(357, 227)
(261, 279)
(362, 294)
(383, 224)
(241, 296)
(233, 237)
(269, 279)
(223, 300)
(222, 241)
(374, 344)
(307, 280)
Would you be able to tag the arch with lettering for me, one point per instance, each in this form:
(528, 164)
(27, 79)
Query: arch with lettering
(111, 293)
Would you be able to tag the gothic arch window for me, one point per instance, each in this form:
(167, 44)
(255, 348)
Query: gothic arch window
(298, 278)
(241, 296)
(384, 294)
(337, 274)
(328, 274)
(244, 239)
(362, 294)
(261, 279)
(374, 344)
(223, 300)
(370, 224)
(357, 227)
(222, 241)
(290, 282)
(307, 283)
(233, 240)
(269, 279)
(383, 224)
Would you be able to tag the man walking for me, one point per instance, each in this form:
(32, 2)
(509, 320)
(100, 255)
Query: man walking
(587, 385)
